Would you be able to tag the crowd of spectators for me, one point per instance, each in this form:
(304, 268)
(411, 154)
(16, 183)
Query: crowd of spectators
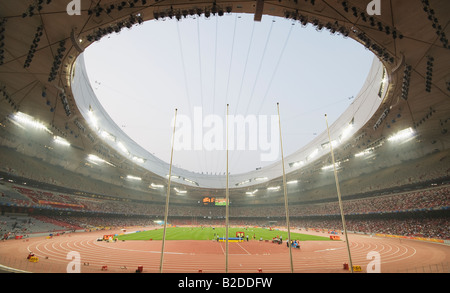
(107, 212)
(97, 222)
(132, 211)
(354, 180)
(426, 227)
(23, 226)
(429, 199)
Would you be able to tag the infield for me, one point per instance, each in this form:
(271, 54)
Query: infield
(211, 233)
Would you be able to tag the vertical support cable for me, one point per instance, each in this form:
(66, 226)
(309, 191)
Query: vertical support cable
(167, 197)
(286, 204)
(227, 201)
(339, 197)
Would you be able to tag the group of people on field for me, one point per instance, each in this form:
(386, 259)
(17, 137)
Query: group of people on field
(279, 240)
(294, 243)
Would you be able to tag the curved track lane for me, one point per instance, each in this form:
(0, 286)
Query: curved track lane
(395, 255)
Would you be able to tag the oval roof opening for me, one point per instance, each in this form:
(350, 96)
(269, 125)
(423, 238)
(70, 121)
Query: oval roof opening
(199, 65)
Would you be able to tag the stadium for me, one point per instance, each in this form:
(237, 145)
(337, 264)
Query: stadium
(367, 193)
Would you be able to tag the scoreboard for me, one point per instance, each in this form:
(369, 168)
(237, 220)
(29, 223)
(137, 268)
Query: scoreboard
(208, 201)
(213, 201)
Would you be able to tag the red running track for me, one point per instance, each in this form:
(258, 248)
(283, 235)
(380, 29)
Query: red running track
(395, 255)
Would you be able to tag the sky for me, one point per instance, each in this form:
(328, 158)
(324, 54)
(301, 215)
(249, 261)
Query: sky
(198, 66)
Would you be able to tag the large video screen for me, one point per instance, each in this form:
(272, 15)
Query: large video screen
(220, 202)
(213, 201)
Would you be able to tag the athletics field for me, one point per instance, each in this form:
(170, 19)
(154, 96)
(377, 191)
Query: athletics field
(211, 233)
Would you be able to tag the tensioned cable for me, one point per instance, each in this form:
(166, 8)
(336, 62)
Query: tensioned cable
(184, 69)
(215, 67)
(274, 72)
(245, 66)
(276, 67)
(260, 65)
(231, 58)
(231, 61)
(200, 68)
(200, 60)
(215, 73)
(259, 69)
(184, 75)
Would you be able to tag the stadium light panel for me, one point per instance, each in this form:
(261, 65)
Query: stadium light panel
(252, 192)
(139, 160)
(402, 135)
(274, 188)
(108, 135)
(94, 158)
(123, 148)
(337, 164)
(93, 119)
(173, 176)
(346, 132)
(180, 191)
(313, 154)
(292, 182)
(153, 185)
(189, 180)
(61, 141)
(134, 177)
(334, 143)
(27, 120)
(296, 164)
(364, 153)
(243, 182)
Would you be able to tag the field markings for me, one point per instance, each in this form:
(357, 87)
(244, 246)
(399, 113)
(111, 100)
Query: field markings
(136, 250)
(223, 250)
(390, 251)
(329, 249)
(243, 249)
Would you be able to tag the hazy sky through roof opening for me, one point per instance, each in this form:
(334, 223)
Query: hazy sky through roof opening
(200, 65)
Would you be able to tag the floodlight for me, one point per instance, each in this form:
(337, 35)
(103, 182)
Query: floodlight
(27, 120)
(402, 135)
(94, 158)
(252, 192)
(173, 176)
(93, 119)
(296, 164)
(364, 153)
(331, 166)
(243, 182)
(313, 154)
(346, 132)
(108, 136)
(134, 178)
(139, 160)
(190, 181)
(122, 147)
(61, 141)
(156, 185)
